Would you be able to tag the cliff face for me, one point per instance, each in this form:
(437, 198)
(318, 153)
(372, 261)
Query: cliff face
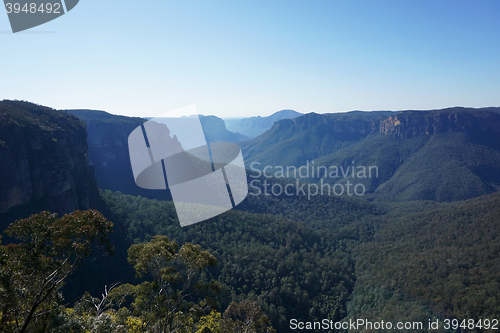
(109, 154)
(404, 124)
(443, 155)
(411, 123)
(43, 161)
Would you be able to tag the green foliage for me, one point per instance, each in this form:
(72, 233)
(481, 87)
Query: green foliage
(286, 266)
(166, 304)
(346, 258)
(32, 117)
(442, 155)
(174, 299)
(209, 323)
(441, 260)
(245, 317)
(375, 304)
(33, 271)
(292, 142)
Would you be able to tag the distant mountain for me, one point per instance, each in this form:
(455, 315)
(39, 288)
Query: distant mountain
(443, 155)
(294, 141)
(255, 126)
(109, 154)
(216, 131)
(43, 162)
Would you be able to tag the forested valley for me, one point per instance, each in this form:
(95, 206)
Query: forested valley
(75, 258)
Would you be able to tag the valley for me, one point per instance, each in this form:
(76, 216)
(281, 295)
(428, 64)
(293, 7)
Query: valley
(421, 244)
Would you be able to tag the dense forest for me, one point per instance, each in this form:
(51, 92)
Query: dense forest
(111, 261)
(382, 262)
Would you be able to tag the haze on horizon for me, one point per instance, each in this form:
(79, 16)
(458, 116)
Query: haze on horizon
(256, 58)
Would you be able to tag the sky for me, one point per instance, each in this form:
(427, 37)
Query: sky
(247, 58)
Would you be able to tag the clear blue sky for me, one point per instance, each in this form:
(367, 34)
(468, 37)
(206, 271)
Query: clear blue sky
(243, 58)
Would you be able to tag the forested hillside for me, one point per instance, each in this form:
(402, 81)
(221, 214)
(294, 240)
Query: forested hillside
(291, 269)
(443, 155)
(294, 141)
(431, 260)
(336, 258)
(381, 256)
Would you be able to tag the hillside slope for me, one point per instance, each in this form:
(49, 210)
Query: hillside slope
(294, 141)
(444, 155)
(426, 257)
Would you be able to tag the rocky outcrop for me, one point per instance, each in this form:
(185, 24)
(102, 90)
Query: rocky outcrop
(109, 154)
(404, 124)
(407, 124)
(43, 161)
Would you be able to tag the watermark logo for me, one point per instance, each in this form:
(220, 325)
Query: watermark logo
(310, 180)
(26, 14)
(205, 178)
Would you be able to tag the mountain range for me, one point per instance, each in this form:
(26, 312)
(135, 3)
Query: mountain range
(395, 253)
(255, 126)
(108, 147)
(443, 155)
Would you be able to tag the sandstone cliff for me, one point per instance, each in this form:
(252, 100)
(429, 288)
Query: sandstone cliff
(43, 161)
(407, 124)
(108, 149)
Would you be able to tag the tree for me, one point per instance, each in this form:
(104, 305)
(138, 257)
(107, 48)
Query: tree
(33, 271)
(5, 285)
(246, 317)
(174, 299)
(209, 323)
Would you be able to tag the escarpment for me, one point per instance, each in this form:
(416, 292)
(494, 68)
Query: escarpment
(43, 161)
